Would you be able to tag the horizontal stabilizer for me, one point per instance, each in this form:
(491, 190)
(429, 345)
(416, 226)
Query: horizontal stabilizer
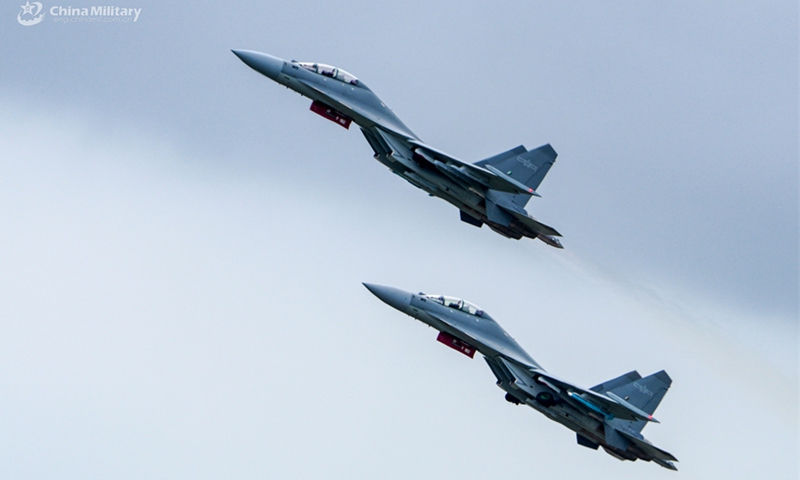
(502, 201)
(648, 447)
(531, 223)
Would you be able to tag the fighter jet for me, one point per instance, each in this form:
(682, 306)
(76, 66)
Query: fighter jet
(609, 415)
(493, 191)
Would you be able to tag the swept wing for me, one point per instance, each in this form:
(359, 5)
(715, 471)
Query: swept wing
(614, 407)
(494, 179)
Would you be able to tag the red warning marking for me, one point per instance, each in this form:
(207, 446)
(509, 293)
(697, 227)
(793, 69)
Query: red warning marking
(456, 344)
(331, 114)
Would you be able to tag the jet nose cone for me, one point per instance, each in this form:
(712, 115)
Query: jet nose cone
(261, 62)
(394, 297)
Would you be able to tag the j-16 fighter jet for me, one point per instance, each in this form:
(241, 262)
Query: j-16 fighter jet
(493, 191)
(609, 415)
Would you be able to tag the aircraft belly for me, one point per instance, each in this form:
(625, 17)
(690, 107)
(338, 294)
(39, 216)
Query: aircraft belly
(419, 182)
(415, 179)
(454, 201)
(512, 380)
(450, 189)
(593, 430)
(614, 439)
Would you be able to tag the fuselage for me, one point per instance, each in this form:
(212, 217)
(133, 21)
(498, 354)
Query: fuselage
(348, 95)
(356, 101)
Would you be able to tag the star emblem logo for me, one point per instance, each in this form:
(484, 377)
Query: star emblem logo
(527, 164)
(33, 13)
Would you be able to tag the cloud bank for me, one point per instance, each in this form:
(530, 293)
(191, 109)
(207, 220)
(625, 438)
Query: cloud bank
(168, 315)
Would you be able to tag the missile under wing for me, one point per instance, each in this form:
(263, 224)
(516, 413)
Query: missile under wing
(493, 191)
(609, 415)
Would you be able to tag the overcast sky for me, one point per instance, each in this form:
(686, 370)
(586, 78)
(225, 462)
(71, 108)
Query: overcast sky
(183, 242)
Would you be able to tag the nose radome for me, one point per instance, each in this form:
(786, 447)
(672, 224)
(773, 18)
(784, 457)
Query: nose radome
(394, 297)
(261, 62)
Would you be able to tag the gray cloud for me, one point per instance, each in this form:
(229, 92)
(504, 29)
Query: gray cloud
(675, 123)
(161, 318)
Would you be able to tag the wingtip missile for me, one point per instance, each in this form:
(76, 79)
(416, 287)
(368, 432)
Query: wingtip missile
(550, 240)
(510, 183)
(635, 410)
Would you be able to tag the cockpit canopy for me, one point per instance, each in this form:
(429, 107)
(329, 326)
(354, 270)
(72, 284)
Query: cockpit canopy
(457, 303)
(330, 71)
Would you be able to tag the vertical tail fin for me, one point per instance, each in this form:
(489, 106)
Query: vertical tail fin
(527, 167)
(644, 393)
